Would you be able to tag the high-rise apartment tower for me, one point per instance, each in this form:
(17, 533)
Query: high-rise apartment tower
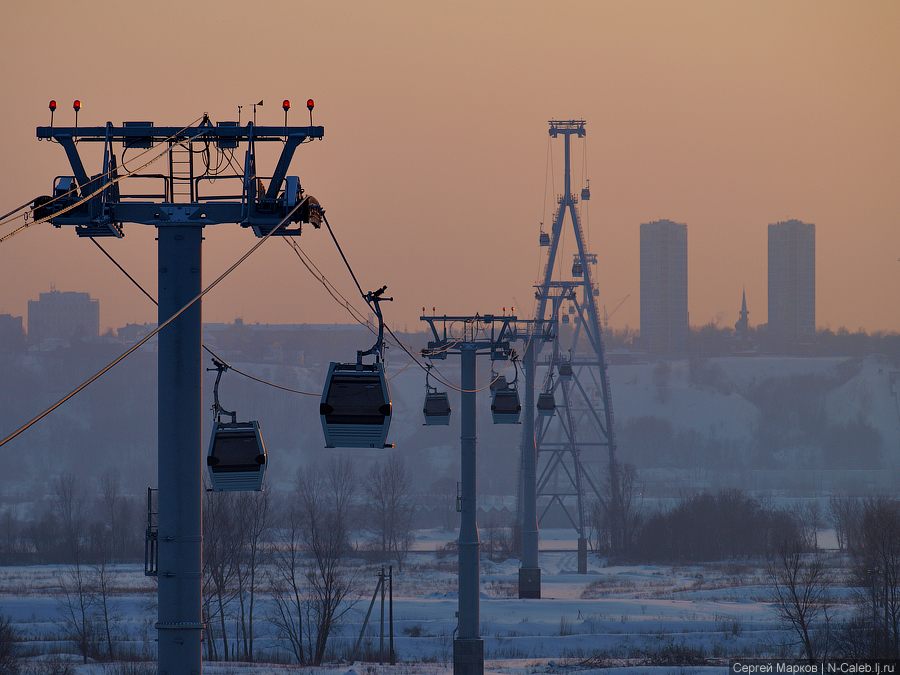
(664, 308)
(792, 282)
(63, 315)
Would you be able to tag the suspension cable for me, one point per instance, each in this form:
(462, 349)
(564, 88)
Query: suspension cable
(152, 334)
(214, 355)
(24, 206)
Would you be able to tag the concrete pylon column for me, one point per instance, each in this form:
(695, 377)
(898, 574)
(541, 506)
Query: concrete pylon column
(180, 567)
(468, 647)
(530, 571)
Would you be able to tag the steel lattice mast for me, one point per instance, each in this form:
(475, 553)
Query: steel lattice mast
(569, 445)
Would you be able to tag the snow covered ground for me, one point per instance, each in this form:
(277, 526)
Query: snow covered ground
(611, 616)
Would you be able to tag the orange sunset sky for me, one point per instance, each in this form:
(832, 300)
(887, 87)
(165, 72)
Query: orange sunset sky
(433, 171)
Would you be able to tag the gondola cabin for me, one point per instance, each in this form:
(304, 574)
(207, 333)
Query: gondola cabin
(356, 406)
(505, 406)
(546, 404)
(237, 457)
(437, 409)
(545, 239)
(577, 269)
(565, 371)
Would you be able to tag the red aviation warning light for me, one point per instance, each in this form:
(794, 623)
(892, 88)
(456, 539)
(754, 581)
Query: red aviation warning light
(52, 106)
(76, 105)
(310, 104)
(286, 105)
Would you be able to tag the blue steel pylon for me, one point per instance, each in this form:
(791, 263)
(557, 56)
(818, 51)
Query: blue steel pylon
(569, 445)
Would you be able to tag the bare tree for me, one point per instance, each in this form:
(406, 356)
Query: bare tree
(253, 520)
(112, 503)
(325, 533)
(9, 537)
(106, 608)
(75, 604)
(492, 534)
(9, 648)
(389, 507)
(311, 587)
(70, 507)
(219, 569)
(42, 538)
(844, 514)
(288, 581)
(800, 591)
(444, 493)
(629, 514)
(876, 565)
(808, 518)
(342, 487)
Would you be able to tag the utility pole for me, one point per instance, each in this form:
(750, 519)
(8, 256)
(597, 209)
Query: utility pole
(184, 201)
(491, 335)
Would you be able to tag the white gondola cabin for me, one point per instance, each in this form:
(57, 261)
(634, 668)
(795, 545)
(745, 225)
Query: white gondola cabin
(356, 406)
(436, 408)
(505, 406)
(546, 404)
(237, 457)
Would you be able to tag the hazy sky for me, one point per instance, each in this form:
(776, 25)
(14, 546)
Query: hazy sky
(433, 172)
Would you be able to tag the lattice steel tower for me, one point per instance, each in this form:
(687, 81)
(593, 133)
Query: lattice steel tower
(569, 445)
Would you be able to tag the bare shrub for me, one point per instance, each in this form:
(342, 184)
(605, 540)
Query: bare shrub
(9, 647)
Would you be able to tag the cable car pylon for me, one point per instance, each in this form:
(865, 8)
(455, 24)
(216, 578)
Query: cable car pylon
(487, 334)
(568, 446)
(98, 205)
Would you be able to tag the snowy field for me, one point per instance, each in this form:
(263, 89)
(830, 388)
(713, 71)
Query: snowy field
(612, 619)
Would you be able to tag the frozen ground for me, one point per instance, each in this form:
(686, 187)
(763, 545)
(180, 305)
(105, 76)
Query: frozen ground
(612, 616)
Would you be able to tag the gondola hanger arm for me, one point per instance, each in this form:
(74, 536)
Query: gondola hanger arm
(216, 406)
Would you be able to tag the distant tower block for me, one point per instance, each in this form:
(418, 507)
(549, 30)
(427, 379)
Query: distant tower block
(792, 283)
(664, 306)
(63, 315)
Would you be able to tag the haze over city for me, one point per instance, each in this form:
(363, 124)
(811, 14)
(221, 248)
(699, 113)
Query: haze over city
(434, 168)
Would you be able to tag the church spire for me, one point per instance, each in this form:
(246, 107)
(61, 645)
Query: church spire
(740, 328)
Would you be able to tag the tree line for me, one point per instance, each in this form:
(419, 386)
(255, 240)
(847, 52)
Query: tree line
(804, 581)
